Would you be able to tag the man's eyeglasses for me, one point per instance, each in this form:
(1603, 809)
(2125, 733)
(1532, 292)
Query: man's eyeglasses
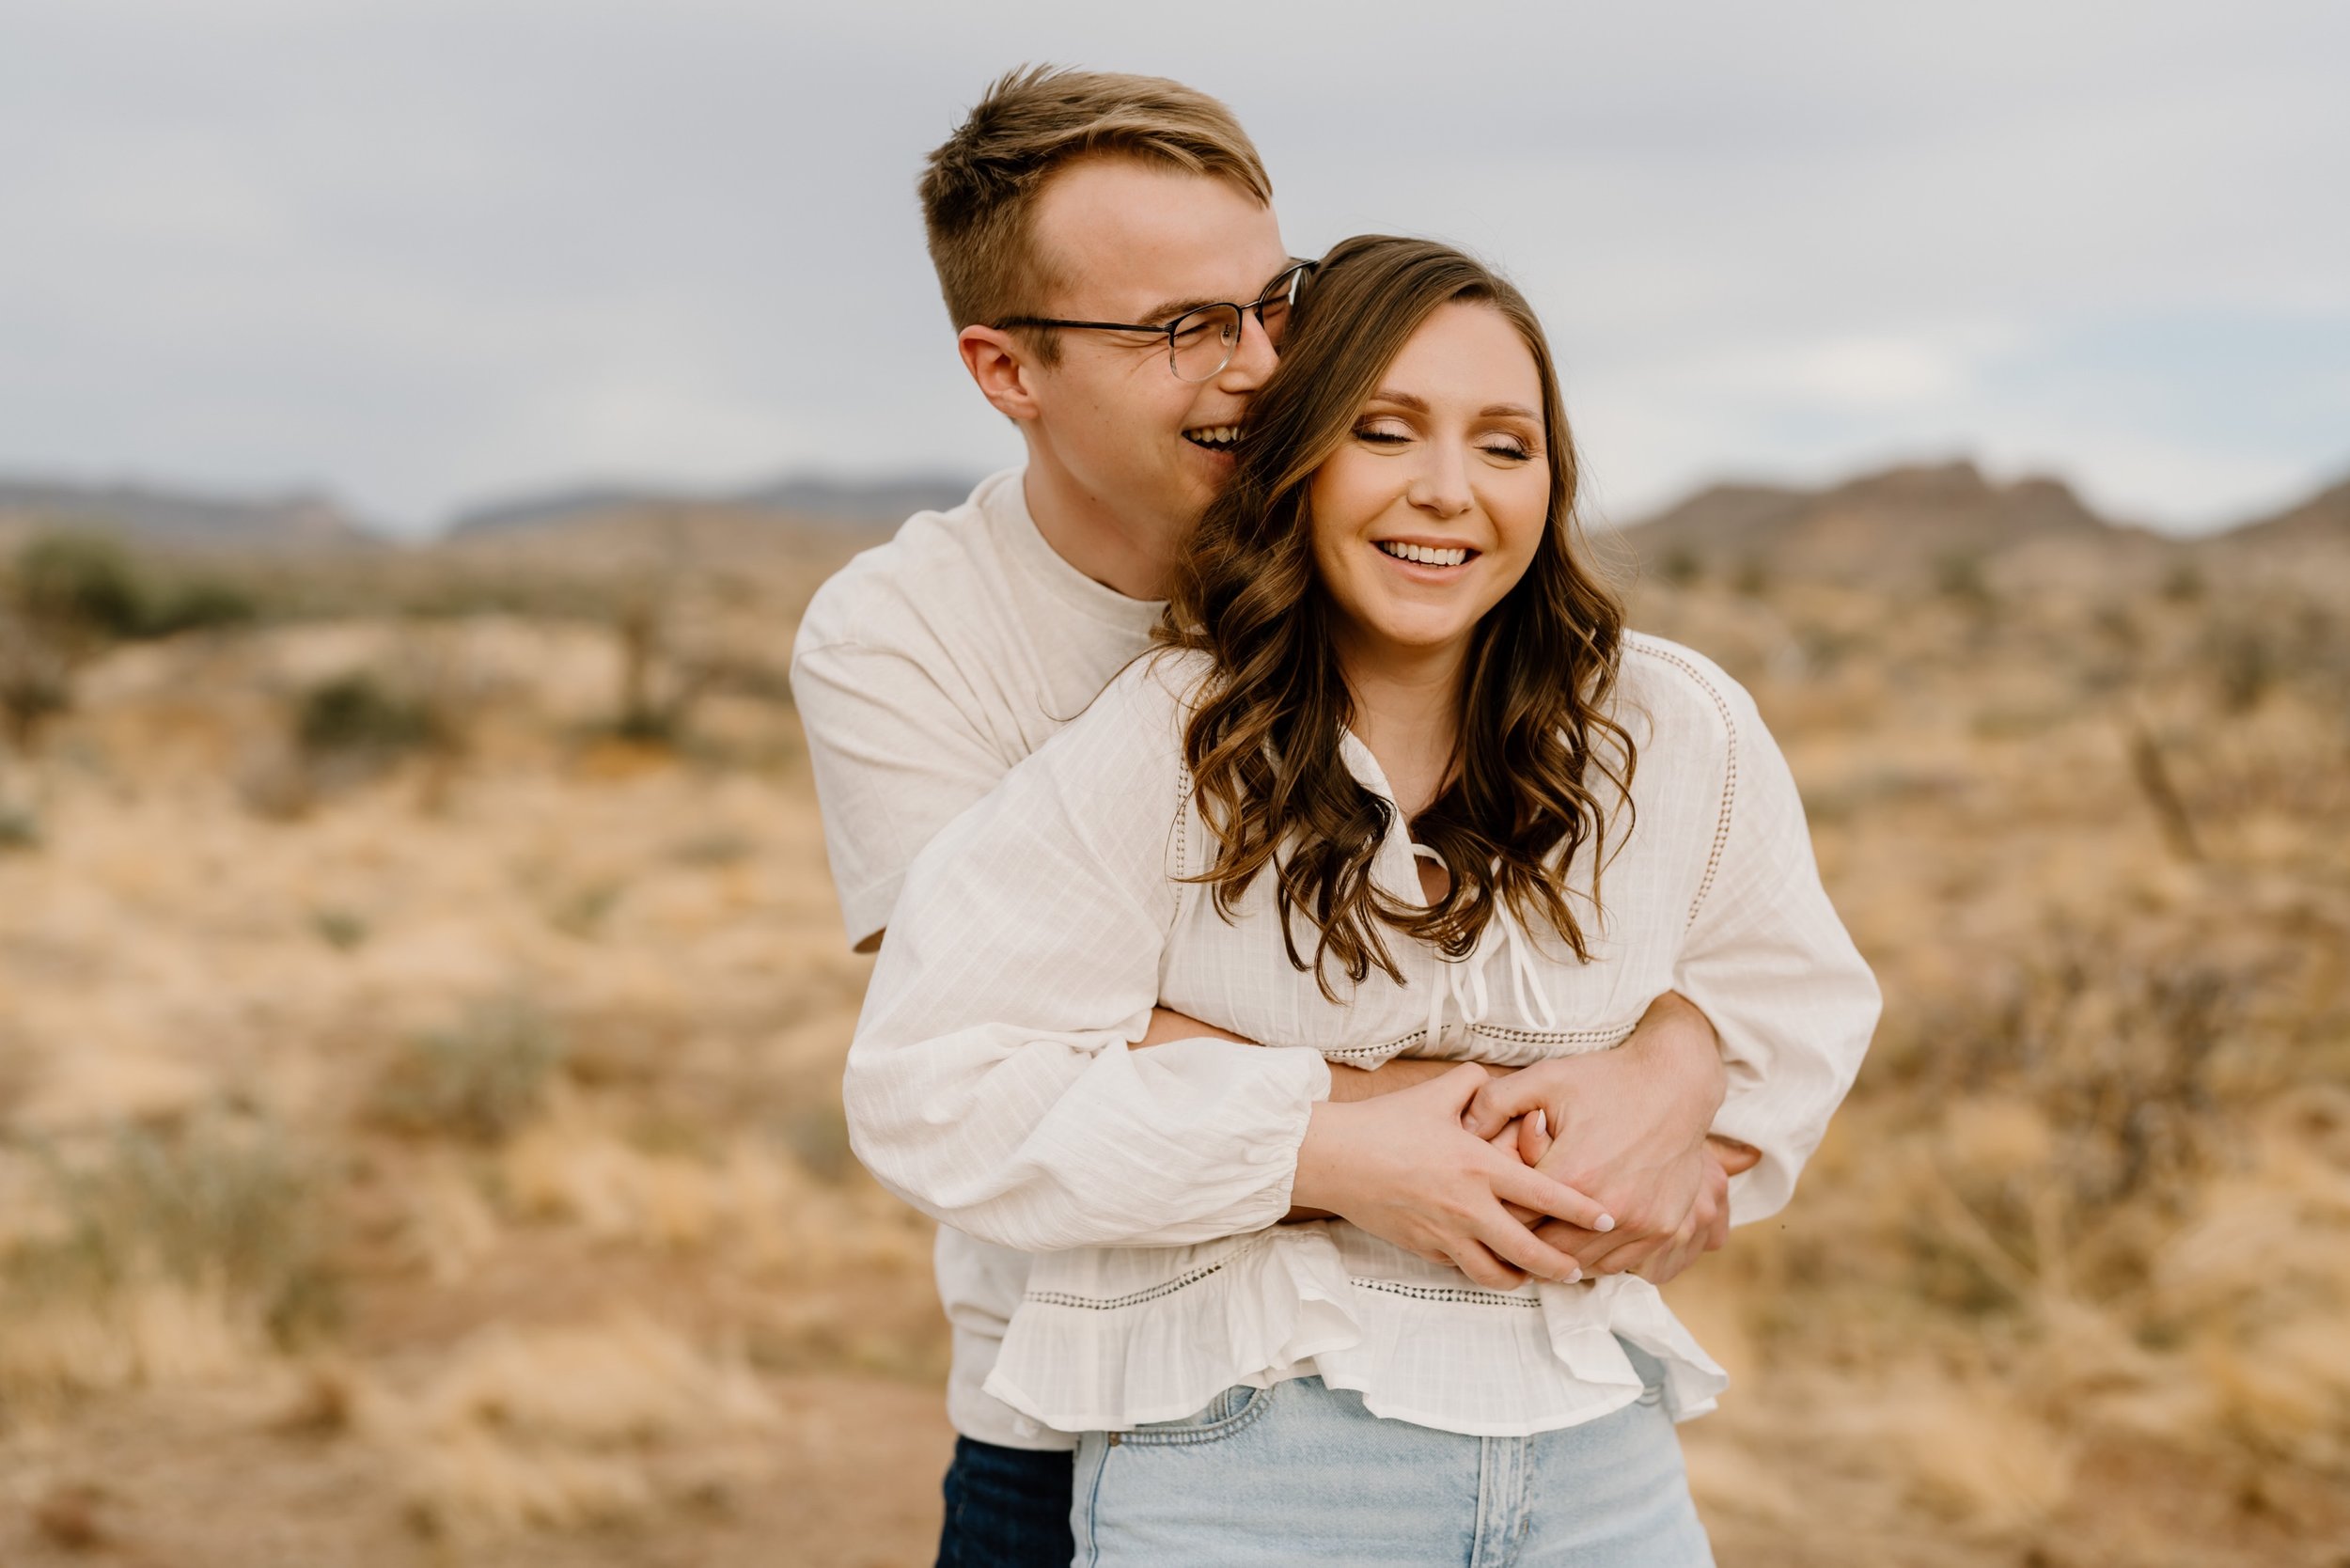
(1202, 340)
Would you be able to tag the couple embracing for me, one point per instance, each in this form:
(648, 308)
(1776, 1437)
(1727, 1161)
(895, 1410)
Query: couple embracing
(1331, 971)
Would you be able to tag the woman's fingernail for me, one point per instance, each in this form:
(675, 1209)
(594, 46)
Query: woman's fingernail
(1606, 1222)
(1572, 1275)
(1542, 1123)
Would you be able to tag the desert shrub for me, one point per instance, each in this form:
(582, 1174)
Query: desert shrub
(1753, 578)
(20, 828)
(2244, 663)
(200, 604)
(339, 929)
(478, 1078)
(357, 715)
(1682, 565)
(211, 1204)
(2183, 583)
(82, 586)
(1959, 576)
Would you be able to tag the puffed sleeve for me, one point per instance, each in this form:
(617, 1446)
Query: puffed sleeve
(894, 758)
(1773, 968)
(991, 1083)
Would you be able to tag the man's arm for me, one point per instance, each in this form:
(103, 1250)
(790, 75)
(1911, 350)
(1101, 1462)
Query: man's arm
(1346, 1083)
(895, 759)
(1627, 1113)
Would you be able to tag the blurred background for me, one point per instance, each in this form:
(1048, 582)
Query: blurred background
(421, 996)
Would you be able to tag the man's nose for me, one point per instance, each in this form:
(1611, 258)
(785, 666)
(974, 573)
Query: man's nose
(1253, 357)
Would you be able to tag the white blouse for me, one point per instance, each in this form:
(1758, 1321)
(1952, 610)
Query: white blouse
(990, 1083)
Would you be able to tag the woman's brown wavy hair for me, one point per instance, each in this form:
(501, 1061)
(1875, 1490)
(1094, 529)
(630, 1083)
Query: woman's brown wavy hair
(1262, 745)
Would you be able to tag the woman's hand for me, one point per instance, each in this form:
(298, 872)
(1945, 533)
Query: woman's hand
(1404, 1169)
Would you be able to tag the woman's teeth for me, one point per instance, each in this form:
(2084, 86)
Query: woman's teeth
(1422, 554)
(1216, 438)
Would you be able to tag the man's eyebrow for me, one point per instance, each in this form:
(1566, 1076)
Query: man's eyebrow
(1166, 314)
(1172, 308)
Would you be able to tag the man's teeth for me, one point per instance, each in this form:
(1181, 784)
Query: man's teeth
(1422, 554)
(1213, 436)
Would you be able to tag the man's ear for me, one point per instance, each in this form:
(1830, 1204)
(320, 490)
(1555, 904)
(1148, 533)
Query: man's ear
(1002, 366)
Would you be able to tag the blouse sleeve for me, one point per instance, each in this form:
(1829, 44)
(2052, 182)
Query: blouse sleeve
(1773, 968)
(991, 1084)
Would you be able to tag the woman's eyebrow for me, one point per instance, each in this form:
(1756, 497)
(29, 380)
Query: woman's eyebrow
(1420, 405)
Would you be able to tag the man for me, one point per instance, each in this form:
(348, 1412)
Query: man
(1074, 219)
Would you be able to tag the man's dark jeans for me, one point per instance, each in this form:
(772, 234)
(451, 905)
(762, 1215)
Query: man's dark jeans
(1007, 1507)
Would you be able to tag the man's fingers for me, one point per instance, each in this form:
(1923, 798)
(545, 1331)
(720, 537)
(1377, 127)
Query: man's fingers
(1517, 1245)
(1590, 1249)
(1500, 1099)
(1536, 1191)
(1628, 1259)
(1732, 1156)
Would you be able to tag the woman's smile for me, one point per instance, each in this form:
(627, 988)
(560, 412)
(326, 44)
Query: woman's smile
(1439, 560)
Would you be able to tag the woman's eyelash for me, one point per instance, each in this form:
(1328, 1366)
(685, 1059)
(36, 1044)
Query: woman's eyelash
(1518, 452)
(1382, 437)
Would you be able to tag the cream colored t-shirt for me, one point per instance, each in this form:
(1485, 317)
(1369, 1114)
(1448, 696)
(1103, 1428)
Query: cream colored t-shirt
(924, 671)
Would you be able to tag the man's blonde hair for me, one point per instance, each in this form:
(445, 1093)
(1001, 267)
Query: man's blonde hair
(979, 188)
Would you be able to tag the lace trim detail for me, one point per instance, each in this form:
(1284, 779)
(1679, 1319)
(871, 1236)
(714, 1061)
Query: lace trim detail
(1612, 1035)
(1111, 1304)
(1729, 767)
(1459, 1295)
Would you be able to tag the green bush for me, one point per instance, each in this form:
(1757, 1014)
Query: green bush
(81, 585)
(479, 1078)
(211, 1202)
(357, 713)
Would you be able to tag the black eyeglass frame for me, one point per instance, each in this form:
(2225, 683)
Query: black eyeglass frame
(1287, 284)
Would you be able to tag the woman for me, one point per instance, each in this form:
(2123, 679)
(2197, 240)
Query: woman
(1399, 781)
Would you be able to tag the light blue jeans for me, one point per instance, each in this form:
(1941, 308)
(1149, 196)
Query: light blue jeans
(1301, 1473)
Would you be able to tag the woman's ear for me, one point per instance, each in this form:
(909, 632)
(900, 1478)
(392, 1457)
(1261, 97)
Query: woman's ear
(1000, 365)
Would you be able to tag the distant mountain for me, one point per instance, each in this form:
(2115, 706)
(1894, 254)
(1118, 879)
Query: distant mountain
(882, 500)
(2323, 519)
(1901, 521)
(854, 502)
(176, 517)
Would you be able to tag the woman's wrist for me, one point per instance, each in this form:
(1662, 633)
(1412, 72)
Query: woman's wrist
(1321, 1155)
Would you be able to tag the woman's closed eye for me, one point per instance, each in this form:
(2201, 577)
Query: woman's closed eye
(1382, 433)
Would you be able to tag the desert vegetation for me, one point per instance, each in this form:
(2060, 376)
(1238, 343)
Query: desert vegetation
(421, 1006)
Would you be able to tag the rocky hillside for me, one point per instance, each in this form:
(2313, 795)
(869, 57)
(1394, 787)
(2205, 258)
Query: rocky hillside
(1899, 526)
(173, 517)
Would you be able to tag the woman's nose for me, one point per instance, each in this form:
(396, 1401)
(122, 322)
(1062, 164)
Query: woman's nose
(1441, 487)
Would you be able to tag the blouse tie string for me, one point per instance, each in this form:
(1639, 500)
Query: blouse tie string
(1463, 979)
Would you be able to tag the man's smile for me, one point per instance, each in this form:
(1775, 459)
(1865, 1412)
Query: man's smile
(1215, 439)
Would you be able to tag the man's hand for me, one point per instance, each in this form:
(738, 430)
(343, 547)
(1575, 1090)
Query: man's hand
(1629, 1127)
(1403, 1168)
(1346, 1083)
(1705, 1230)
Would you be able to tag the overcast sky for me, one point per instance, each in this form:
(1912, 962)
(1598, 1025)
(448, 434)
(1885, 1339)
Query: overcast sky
(430, 253)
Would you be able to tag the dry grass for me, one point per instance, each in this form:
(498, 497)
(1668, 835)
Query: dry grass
(445, 1148)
